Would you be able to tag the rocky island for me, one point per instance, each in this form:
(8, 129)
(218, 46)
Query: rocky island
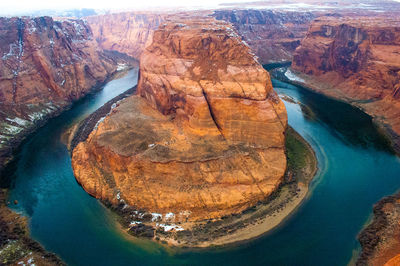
(203, 139)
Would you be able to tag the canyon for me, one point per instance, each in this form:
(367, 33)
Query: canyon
(273, 35)
(128, 32)
(45, 66)
(202, 139)
(356, 60)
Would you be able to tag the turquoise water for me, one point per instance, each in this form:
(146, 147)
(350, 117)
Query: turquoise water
(356, 170)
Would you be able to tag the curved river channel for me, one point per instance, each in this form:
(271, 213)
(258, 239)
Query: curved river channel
(356, 169)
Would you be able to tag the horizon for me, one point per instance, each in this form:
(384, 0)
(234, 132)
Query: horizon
(28, 7)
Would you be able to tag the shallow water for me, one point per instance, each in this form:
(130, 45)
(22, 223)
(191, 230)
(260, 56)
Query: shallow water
(356, 170)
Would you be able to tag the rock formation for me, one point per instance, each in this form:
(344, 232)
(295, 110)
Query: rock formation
(380, 240)
(203, 138)
(128, 32)
(357, 60)
(272, 35)
(44, 66)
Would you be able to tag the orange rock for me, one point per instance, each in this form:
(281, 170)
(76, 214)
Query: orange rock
(203, 138)
(128, 32)
(358, 60)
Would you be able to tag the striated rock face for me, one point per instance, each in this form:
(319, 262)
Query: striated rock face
(272, 35)
(44, 66)
(380, 240)
(357, 60)
(128, 32)
(203, 138)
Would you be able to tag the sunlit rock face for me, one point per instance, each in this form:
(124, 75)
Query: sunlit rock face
(272, 35)
(45, 65)
(358, 60)
(203, 137)
(128, 32)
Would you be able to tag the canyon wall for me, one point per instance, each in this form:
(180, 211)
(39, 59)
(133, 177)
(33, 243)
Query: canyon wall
(357, 60)
(273, 35)
(45, 65)
(204, 137)
(128, 32)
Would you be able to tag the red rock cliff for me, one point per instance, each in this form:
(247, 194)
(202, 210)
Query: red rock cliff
(272, 35)
(357, 60)
(44, 66)
(128, 32)
(203, 139)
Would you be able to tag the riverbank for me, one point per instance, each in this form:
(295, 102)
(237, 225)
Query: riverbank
(16, 246)
(380, 239)
(8, 150)
(15, 242)
(286, 74)
(250, 224)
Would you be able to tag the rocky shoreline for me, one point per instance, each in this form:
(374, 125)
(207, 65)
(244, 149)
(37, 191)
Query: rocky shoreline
(15, 242)
(314, 85)
(8, 155)
(85, 127)
(379, 237)
(16, 246)
(229, 230)
(380, 233)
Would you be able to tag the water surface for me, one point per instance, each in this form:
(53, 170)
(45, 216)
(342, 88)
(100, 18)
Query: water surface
(356, 170)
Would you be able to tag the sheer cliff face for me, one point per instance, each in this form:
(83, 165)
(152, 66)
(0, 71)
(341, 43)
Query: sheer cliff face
(356, 59)
(44, 66)
(203, 138)
(273, 36)
(127, 33)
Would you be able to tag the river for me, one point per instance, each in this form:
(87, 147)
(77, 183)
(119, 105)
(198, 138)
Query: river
(356, 170)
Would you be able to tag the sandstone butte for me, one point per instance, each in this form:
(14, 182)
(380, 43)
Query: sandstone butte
(272, 35)
(44, 66)
(203, 137)
(356, 60)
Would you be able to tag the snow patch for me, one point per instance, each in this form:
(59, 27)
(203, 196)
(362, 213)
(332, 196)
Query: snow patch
(171, 227)
(291, 76)
(155, 216)
(121, 67)
(19, 121)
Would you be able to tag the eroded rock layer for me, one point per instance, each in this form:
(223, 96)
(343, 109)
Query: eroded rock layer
(203, 138)
(380, 240)
(357, 60)
(128, 32)
(272, 35)
(44, 66)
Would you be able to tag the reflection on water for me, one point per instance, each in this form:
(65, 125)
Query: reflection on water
(350, 124)
(355, 171)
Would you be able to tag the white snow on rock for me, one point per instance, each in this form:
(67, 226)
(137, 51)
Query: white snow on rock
(171, 227)
(19, 121)
(291, 76)
(170, 216)
(156, 216)
(121, 67)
